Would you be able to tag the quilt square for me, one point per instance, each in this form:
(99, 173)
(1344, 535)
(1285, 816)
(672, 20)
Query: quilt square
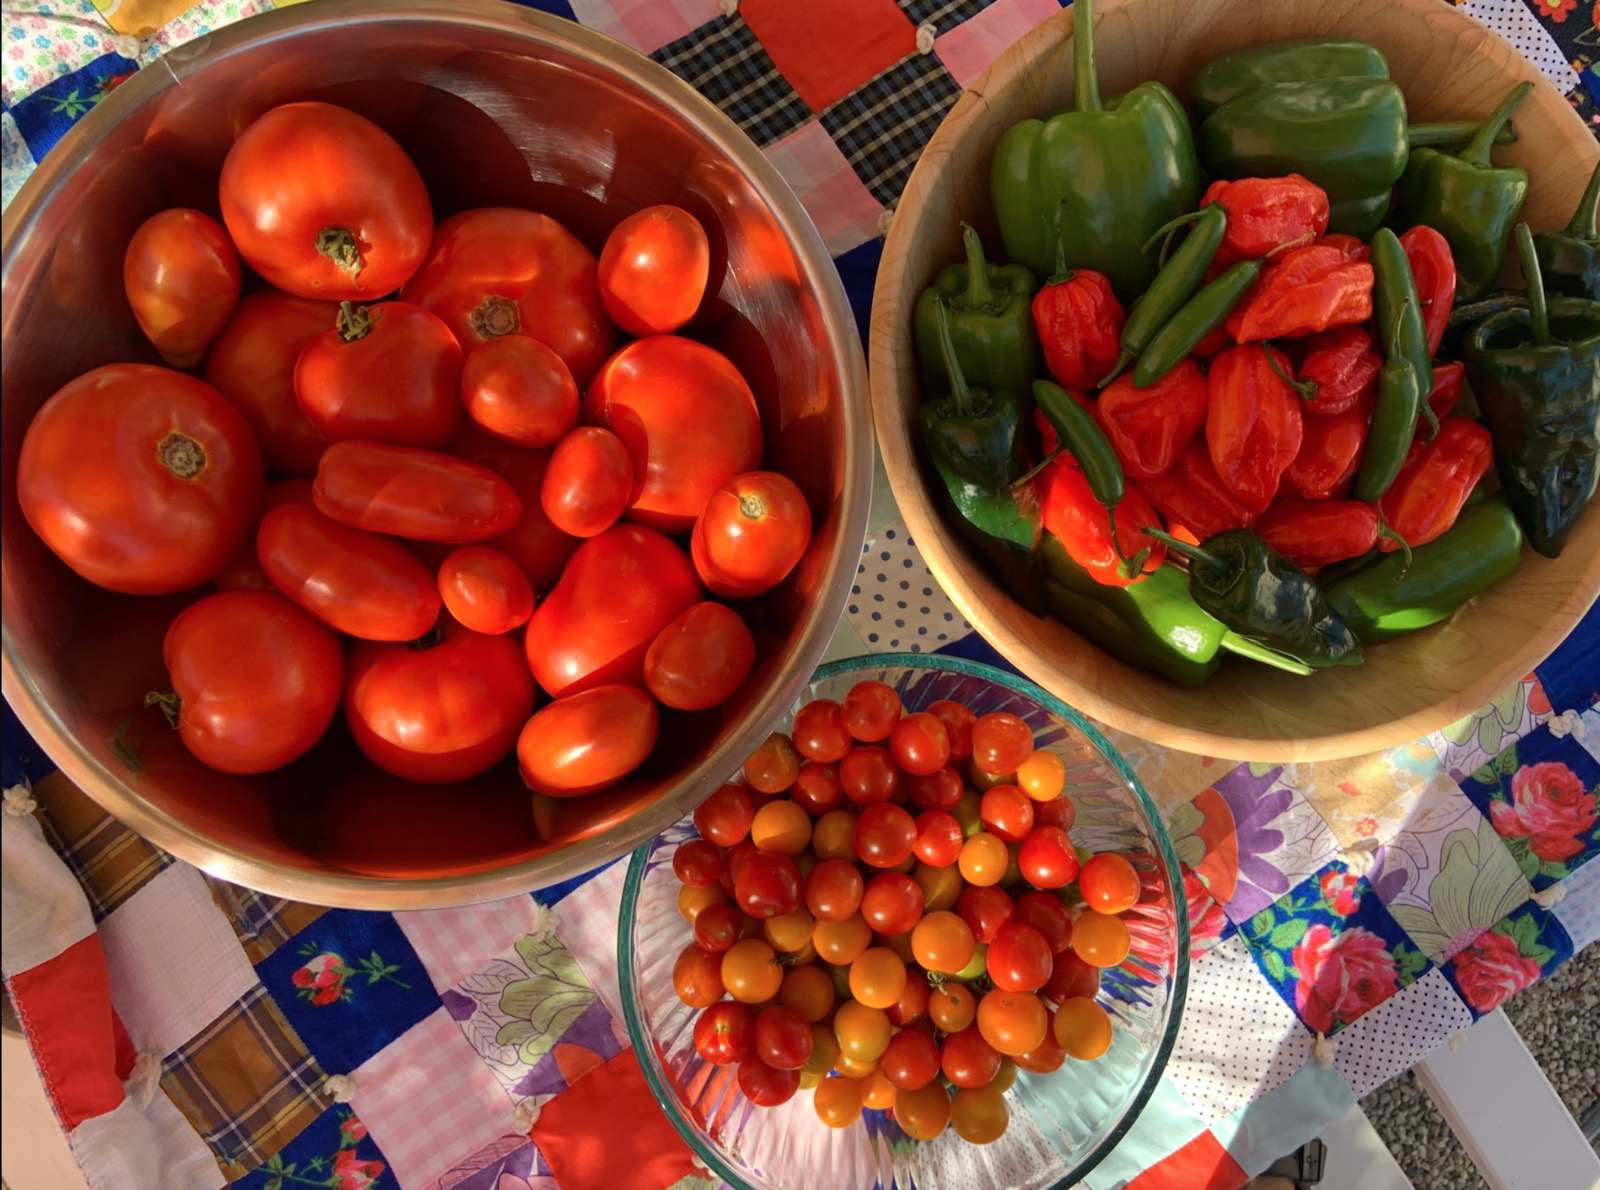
(896, 604)
(1571, 675)
(334, 1150)
(1518, 951)
(1366, 799)
(1332, 949)
(44, 116)
(505, 1163)
(645, 25)
(828, 48)
(882, 127)
(453, 943)
(1474, 741)
(262, 922)
(944, 15)
(109, 860)
(1579, 911)
(1399, 1033)
(844, 211)
(44, 42)
(351, 984)
(725, 63)
(969, 47)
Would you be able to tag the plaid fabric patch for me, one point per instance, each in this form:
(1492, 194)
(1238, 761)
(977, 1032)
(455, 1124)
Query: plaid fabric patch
(945, 14)
(109, 860)
(882, 128)
(246, 1083)
(725, 63)
(262, 922)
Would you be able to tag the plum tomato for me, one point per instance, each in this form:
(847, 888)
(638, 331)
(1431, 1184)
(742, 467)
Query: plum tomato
(938, 790)
(781, 1037)
(958, 721)
(968, 1060)
(766, 1086)
(833, 890)
(938, 840)
(485, 590)
(985, 910)
(697, 976)
(1000, 743)
(654, 267)
(1048, 915)
(920, 744)
(767, 885)
(942, 942)
(697, 862)
(1100, 939)
(587, 741)
(870, 709)
(1042, 776)
(699, 659)
(752, 532)
(1013, 1022)
(1007, 812)
(722, 1033)
(1047, 858)
(181, 274)
(1109, 883)
(911, 1060)
(1082, 1028)
(1019, 958)
(817, 788)
(724, 818)
(419, 495)
(588, 482)
(819, 732)
(519, 389)
(891, 903)
(773, 766)
(885, 835)
(869, 774)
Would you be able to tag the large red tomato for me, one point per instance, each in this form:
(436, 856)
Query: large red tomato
(252, 364)
(502, 271)
(182, 275)
(257, 679)
(619, 590)
(418, 494)
(443, 709)
(140, 478)
(324, 203)
(688, 419)
(588, 741)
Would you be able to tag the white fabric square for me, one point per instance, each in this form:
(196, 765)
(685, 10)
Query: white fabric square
(42, 907)
(176, 964)
(587, 925)
(153, 1149)
(453, 943)
(1399, 1033)
(427, 1098)
(1238, 1039)
(17, 158)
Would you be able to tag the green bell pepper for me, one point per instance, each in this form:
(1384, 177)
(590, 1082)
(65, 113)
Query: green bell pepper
(1570, 259)
(1119, 175)
(990, 307)
(1232, 74)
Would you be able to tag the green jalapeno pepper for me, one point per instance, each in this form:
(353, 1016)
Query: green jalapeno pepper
(1174, 285)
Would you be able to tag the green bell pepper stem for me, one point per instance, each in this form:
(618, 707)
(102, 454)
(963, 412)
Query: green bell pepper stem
(1570, 259)
(980, 295)
(1085, 79)
(1456, 132)
(1477, 150)
(958, 378)
(1538, 307)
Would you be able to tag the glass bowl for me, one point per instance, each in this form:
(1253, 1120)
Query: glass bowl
(1063, 1123)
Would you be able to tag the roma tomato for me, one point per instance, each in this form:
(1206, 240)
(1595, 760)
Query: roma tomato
(519, 389)
(503, 271)
(700, 659)
(368, 586)
(141, 479)
(443, 709)
(587, 741)
(688, 419)
(485, 590)
(419, 494)
(243, 572)
(389, 373)
(257, 679)
(533, 543)
(252, 364)
(324, 203)
(588, 483)
(754, 529)
(653, 270)
(619, 590)
(181, 274)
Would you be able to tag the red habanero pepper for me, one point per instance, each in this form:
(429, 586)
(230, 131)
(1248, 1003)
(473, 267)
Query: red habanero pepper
(1080, 327)
(1308, 289)
(1083, 525)
(1344, 364)
(1320, 532)
(1330, 452)
(1253, 423)
(1049, 440)
(1448, 381)
(1148, 427)
(1435, 272)
(1434, 482)
(1208, 347)
(1352, 248)
(1266, 212)
(1190, 494)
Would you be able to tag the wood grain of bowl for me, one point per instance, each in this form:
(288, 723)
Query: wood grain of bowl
(1450, 67)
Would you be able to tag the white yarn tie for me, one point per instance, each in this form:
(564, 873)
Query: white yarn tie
(729, 7)
(143, 1080)
(19, 800)
(1549, 898)
(1456, 1039)
(1361, 858)
(885, 218)
(1323, 1049)
(342, 1087)
(1569, 722)
(126, 45)
(546, 922)
(525, 1116)
(925, 36)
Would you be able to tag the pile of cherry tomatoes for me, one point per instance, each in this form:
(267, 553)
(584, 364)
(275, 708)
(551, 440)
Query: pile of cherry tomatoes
(869, 924)
(418, 473)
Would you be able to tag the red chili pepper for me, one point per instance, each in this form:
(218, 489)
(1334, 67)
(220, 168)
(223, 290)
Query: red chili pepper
(1253, 425)
(1344, 364)
(1448, 381)
(1308, 289)
(1434, 482)
(1352, 248)
(1330, 452)
(1080, 328)
(1083, 525)
(1211, 344)
(1191, 494)
(1266, 212)
(1435, 271)
(1148, 427)
(1318, 533)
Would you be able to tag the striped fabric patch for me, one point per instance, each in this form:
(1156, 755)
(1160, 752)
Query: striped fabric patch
(725, 63)
(109, 860)
(262, 922)
(882, 128)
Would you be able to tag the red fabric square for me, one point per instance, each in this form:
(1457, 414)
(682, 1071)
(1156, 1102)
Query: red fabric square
(78, 1043)
(828, 48)
(607, 1130)
(1202, 1164)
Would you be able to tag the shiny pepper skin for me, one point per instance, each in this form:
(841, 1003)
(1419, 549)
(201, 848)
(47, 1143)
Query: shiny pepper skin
(1313, 533)
(1264, 213)
(1149, 427)
(1330, 452)
(1306, 290)
(1448, 381)
(1253, 425)
(1435, 481)
(1434, 270)
(1344, 364)
(1189, 493)
(1083, 525)
(1079, 321)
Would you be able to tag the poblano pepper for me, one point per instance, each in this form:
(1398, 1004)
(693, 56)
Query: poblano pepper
(973, 439)
(1570, 259)
(1469, 201)
(991, 324)
(1536, 374)
(1120, 174)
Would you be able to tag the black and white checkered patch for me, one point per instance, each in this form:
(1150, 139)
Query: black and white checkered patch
(725, 63)
(944, 14)
(882, 127)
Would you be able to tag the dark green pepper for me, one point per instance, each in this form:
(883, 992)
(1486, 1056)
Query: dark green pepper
(1193, 321)
(1387, 597)
(1121, 174)
(991, 324)
(1407, 374)
(1468, 201)
(1232, 74)
(1536, 374)
(1570, 259)
(1174, 285)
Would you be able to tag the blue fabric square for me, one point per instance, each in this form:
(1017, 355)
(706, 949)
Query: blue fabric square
(858, 269)
(556, 892)
(558, 8)
(973, 647)
(44, 117)
(1571, 675)
(334, 1150)
(350, 983)
(19, 756)
(1518, 951)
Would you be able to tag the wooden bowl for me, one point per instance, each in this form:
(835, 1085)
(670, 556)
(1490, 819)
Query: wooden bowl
(1450, 67)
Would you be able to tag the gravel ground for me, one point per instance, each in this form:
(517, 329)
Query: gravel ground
(1556, 1019)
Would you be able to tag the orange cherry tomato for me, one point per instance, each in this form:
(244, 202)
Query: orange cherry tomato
(1100, 939)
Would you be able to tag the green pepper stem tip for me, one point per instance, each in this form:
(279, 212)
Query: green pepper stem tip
(1538, 311)
(1477, 150)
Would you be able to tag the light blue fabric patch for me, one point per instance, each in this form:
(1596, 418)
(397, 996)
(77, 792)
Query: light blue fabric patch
(1167, 1123)
(1285, 1117)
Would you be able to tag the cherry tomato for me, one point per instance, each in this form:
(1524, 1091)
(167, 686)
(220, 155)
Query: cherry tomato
(696, 976)
(838, 1102)
(952, 1006)
(653, 270)
(692, 901)
(840, 942)
(141, 479)
(750, 971)
(1048, 915)
(912, 1005)
(938, 838)
(181, 274)
(834, 835)
(869, 775)
(877, 977)
(819, 732)
(790, 933)
(863, 1032)
(1070, 976)
(1000, 742)
(717, 927)
(920, 744)
(911, 1060)
(1100, 939)
(1082, 1028)
(723, 1032)
(587, 741)
(588, 483)
(958, 721)
(968, 1060)
(884, 835)
(940, 886)
(833, 890)
(1019, 958)
(767, 885)
(870, 710)
(1042, 775)
(1047, 858)
(619, 590)
(891, 903)
(922, 1114)
(699, 659)
(1013, 1022)
(1058, 811)
(817, 788)
(983, 859)
(781, 826)
(942, 942)
(808, 991)
(519, 389)
(697, 862)
(502, 271)
(764, 1085)
(1046, 1057)
(938, 790)
(485, 590)
(732, 862)
(985, 910)
(753, 531)
(978, 1115)
(1109, 883)
(724, 818)
(1007, 812)
(323, 203)
(782, 1038)
(773, 767)
(410, 493)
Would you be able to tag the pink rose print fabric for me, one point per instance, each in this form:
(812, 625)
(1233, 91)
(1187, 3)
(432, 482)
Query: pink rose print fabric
(1516, 952)
(1542, 794)
(1340, 976)
(1550, 808)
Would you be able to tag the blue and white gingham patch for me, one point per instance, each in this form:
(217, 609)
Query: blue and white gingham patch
(725, 63)
(883, 126)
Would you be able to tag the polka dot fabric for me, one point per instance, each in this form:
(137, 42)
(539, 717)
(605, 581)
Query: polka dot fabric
(895, 603)
(1513, 20)
(1399, 1033)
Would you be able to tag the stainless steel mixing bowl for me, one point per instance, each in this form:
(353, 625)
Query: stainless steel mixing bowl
(498, 105)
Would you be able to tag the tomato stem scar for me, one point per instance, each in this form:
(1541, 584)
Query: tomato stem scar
(339, 245)
(182, 455)
(496, 316)
(168, 701)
